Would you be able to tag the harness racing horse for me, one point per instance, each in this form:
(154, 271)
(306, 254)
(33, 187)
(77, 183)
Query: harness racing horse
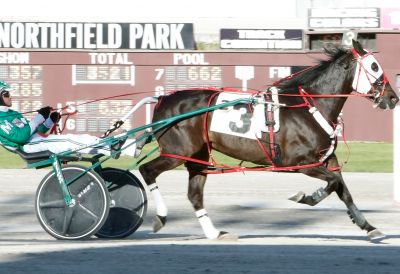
(302, 137)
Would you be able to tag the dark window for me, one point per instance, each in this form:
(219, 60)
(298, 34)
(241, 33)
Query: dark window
(321, 40)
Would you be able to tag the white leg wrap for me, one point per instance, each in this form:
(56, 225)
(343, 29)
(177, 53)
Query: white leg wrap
(206, 224)
(161, 208)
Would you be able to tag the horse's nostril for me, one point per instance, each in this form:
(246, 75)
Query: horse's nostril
(394, 100)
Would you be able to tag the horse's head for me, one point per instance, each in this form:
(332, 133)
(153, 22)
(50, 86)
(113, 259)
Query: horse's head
(369, 78)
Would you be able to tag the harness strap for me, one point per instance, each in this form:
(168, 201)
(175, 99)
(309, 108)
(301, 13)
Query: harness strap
(317, 114)
(265, 151)
(271, 157)
(323, 123)
(228, 169)
(205, 133)
(270, 124)
(188, 159)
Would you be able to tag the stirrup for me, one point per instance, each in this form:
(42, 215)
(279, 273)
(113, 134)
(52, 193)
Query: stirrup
(116, 148)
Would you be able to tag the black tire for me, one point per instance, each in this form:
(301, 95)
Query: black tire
(81, 220)
(128, 204)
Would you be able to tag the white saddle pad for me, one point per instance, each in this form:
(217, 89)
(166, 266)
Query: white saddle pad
(239, 120)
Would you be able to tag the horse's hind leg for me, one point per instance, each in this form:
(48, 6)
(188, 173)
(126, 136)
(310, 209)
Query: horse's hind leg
(197, 181)
(150, 172)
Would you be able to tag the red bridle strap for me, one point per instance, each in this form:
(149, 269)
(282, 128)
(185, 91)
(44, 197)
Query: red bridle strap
(359, 59)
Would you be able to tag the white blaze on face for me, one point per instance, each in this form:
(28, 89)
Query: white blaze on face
(367, 72)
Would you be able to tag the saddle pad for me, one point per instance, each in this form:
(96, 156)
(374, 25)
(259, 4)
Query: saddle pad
(239, 119)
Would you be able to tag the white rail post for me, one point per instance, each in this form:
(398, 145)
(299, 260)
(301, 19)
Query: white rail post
(396, 154)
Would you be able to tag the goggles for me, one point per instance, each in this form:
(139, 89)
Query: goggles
(5, 93)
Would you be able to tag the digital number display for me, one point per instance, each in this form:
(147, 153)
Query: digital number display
(96, 116)
(27, 89)
(182, 77)
(27, 85)
(92, 74)
(20, 72)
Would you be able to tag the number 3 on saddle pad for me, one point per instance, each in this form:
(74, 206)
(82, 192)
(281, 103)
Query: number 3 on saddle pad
(241, 120)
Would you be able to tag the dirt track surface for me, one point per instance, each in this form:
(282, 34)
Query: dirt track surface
(276, 235)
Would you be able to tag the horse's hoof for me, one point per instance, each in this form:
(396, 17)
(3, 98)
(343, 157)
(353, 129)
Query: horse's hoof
(376, 236)
(159, 222)
(226, 236)
(297, 197)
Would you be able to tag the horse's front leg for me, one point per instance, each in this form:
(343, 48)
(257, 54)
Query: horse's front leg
(355, 214)
(197, 181)
(321, 172)
(337, 184)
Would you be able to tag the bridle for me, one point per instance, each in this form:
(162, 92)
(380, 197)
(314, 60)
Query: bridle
(368, 75)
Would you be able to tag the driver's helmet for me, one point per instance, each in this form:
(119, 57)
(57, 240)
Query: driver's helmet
(4, 88)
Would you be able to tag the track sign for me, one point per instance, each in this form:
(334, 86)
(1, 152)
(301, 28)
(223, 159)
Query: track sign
(54, 36)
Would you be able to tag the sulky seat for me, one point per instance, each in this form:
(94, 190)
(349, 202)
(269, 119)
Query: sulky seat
(33, 157)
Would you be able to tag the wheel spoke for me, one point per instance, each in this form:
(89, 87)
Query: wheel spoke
(139, 207)
(67, 220)
(53, 204)
(89, 212)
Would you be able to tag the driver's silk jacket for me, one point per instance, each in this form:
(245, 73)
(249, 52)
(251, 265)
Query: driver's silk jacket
(15, 130)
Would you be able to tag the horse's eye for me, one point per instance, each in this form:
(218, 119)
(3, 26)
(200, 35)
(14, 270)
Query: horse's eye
(374, 67)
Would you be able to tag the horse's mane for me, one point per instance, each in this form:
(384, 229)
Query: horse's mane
(310, 75)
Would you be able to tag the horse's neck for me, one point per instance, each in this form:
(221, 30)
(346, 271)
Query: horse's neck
(331, 106)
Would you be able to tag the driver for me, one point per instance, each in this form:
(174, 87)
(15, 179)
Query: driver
(16, 132)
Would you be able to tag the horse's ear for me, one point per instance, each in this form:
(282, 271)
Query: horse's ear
(357, 46)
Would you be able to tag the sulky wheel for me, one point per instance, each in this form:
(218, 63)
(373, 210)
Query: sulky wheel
(85, 216)
(128, 204)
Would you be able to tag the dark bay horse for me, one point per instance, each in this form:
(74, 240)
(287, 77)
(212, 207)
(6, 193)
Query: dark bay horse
(302, 138)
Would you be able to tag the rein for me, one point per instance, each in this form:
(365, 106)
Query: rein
(57, 129)
(92, 101)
